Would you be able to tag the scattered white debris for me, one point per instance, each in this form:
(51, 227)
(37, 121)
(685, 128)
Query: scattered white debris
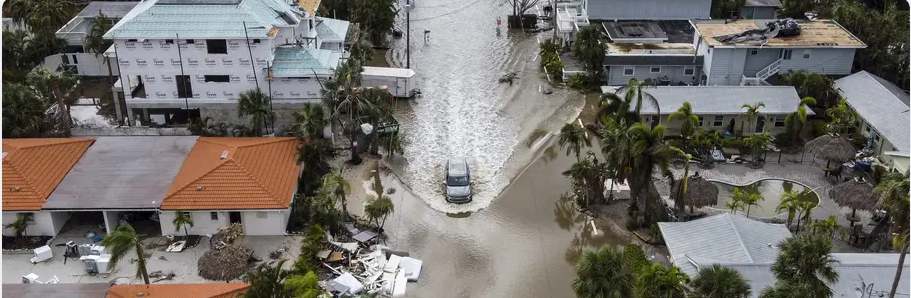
(412, 268)
(348, 280)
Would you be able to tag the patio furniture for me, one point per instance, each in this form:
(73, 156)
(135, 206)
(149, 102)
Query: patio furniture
(858, 235)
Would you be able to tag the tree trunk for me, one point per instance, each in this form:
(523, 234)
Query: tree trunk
(140, 255)
(186, 232)
(748, 210)
(681, 201)
(344, 207)
(898, 271)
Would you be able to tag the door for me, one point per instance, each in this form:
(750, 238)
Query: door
(760, 124)
(749, 12)
(401, 87)
(233, 217)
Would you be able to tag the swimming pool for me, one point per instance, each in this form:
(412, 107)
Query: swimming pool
(770, 189)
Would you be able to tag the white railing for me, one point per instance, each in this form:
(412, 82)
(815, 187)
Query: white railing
(770, 70)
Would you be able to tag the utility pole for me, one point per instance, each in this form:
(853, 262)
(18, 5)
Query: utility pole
(408, 34)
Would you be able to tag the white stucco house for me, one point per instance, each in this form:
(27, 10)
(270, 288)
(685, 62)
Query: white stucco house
(251, 181)
(32, 169)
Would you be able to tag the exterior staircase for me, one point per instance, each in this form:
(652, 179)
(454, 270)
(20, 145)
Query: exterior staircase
(762, 75)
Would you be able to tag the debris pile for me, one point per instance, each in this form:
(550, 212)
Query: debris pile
(377, 271)
(778, 28)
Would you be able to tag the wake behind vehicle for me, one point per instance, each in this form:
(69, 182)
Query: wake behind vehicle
(458, 181)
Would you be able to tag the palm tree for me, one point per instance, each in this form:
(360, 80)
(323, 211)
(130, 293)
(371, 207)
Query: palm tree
(828, 227)
(799, 118)
(182, 219)
(690, 120)
(734, 204)
(340, 188)
(615, 145)
(573, 137)
(309, 121)
(751, 113)
(648, 150)
(94, 41)
(20, 225)
(842, 117)
(790, 202)
(39, 15)
(379, 208)
(122, 241)
(255, 103)
(23, 111)
(806, 259)
(659, 281)
(588, 177)
(749, 199)
(304, 286)
(893, 195)
(603, 273)
(589, 50)
(267, 281)
(720, 282)
(54, 87)
(314, 154)
(376, 17)
(804, 211)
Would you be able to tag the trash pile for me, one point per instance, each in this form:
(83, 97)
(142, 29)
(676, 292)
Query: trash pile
(380, 270)
(778, 28)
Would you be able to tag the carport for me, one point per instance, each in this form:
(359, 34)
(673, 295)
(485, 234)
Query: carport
(120, 179)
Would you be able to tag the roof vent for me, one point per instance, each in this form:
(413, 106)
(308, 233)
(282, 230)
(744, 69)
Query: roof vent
(224, 154)
(199, 188)
(16, 188)
(4, 154)
(140, 294)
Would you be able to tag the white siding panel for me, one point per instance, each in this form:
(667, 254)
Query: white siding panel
(261, 223)
(762, 59)
(822, 61)
(648, 9)
(674, 73)
(44, 223)
(202, 223)
(727, 67)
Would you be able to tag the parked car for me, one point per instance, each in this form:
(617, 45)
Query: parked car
(458, 181)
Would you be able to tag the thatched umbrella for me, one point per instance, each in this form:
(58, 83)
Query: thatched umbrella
(699, 192)
(832, 148)
(225, 264)
(854, 194)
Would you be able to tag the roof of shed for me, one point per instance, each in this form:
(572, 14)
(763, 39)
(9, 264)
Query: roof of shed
(87, 290)
(198, 290)
(882, 104)
(236, 173)
(111, 9)
(205, 19)
(32, 169)
(658, 60)
(816, 33)
(876, 269)
(122, 173)
(722, 100)
(721, 238)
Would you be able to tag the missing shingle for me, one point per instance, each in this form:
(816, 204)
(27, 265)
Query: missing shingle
(199, 188)
(224, 154)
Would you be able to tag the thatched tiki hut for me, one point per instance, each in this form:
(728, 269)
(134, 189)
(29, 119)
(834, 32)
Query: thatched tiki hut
(225, 264)
(832, 148)
(854, 194)
(699, 193)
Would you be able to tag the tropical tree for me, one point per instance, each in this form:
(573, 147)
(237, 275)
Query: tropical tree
(267, 281)
(659, 281)
(588, 176)
(122, 241)
(309, 121)
(20, 225)
(690, 120)
(322, 209)
(615, 145)
(39, 15)
(379, 208)
(648, 151)
(361, 50)
(819, 87)
(376, 17)
(589, 50)
(94, 41)
(749, 199)
(314, 154)
(54, 87)
(724, 9)
(720, 282)
(304, 286)
(603, 273)
(256, 104)
(393, 143)
(182, 220)
(828, 227)
(806, 260)
(734, 205)
(799, 118)
(23, 111)
(790, 202)
(894, 196)
(572, 138)
(804, 211)
(757, 143)
(340, 188)
(752, 111)
(841, 117)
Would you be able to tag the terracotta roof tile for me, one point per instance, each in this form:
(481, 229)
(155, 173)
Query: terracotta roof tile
(32, 169)
(206, 290)
(257, 173)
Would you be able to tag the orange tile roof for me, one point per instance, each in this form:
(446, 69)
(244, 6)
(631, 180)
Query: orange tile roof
(207, 290)
(32, 168)
(257, 173)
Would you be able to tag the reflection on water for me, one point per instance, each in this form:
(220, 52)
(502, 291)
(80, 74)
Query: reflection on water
(581, 225)
(770, 190)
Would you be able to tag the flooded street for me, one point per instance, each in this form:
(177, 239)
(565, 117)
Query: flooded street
(464, 111)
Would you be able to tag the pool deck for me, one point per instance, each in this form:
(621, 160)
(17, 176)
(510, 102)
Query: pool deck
(807, 173)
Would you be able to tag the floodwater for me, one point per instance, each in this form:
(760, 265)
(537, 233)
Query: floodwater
(769, 189)
(465, 112)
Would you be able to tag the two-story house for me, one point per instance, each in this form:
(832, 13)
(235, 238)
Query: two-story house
(755, 53)
(660, 51)
(75, 56)
(182, 59)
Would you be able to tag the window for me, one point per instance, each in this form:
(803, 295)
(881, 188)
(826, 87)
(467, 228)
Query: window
(867, 128)
(699, 123)
(184, 87)
(806, 54)
(628, 71)
(190, 41)
(132, 40)
(213, 216)
(718, 121)
(217, 46)
(779, 121)
(689, 70)
(785, 54)
(256, 41)
(655, 69)
(169, 41)
(260, 214)
(876, 138)
(754, 52)
(217, 79)
(75, 60)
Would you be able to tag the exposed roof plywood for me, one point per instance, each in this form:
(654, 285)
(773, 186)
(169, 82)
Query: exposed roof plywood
(818, 33)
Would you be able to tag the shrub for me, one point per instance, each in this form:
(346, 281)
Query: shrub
(732, 143)
(818, 127)
(858, 139)
(635, 257)
(577, 81)
(785, 139)
(555, 68)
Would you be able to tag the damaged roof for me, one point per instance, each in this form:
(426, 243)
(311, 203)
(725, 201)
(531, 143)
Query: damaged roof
(204, 19)
(813, 34)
